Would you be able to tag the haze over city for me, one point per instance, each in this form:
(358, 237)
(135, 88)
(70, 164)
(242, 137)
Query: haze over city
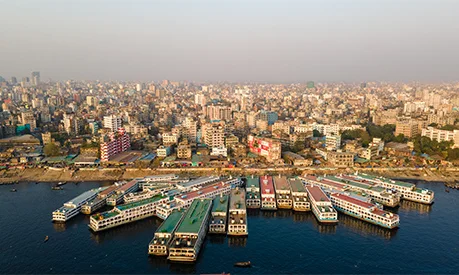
(258, 41)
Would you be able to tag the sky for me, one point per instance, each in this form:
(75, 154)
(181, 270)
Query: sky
(237, 41)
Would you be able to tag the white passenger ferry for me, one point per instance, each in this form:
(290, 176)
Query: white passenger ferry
(126, 213)
(364, 210)
(321, 205)
(73, 207)
(408, 191)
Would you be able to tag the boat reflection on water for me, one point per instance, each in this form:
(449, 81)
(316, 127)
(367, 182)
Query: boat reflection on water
(268, 214)
(183, 267)
(415, 206)
(59, 226)
(251, 212)
(364, 228)
(237, 241)
(130, 229)
(216, 238)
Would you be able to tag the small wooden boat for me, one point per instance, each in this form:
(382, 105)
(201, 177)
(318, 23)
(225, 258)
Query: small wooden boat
(447, 190)
(61, 183)
(57, 188)
(46, 239)
(243, 264)
(13, 190)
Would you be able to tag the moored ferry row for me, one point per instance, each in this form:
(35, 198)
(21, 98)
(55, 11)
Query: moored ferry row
(408, 191)
(71, 208)
(126, 188)
(162, 239)
(364, 210)
(340, 183)
(146, 193)
(100, 200)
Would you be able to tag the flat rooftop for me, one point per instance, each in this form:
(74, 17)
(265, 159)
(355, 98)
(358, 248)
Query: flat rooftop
(195, 216)
(127, 156)
(84, 196)
(168, 225)
(281, 183)
(387, 180)
(237, 200)
(317, 193)
(204, 190)
(266, 185)
(253, 182)
(297, 185)
(220, 204)
(127, 185)
(198, 181)
(127, 206)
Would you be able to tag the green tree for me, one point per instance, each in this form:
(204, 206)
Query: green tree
(51, 150)
(316, 133)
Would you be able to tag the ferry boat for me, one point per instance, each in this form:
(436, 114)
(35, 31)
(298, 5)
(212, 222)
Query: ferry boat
(237, 224)
(209, 191)
(164, 210)
(299, 196)
(126, 213)
(364, 211)
(195, 184)
(343, 183)
(283, 192)
(253, 192)
(219, 213)
(152, 181)
(408, 191)
(126, 188)
(71, 208)
(100, 200)
(190, 234)
(321, 205)
(160, 243)
(268, 198)
(146, 193)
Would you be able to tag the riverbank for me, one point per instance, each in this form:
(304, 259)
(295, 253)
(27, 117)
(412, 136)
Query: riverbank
(116, 174)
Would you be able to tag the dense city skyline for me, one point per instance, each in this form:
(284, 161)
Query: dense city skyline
(237, 41)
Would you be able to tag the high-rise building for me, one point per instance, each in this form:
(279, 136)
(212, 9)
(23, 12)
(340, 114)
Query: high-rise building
(27, 117)
(35, 78)
(218, 112)
(333, 142)
(112, 122)
(409, 128)
(114, 143)
(191, 128)
(14, 80)
(71, 124)
(200, 99)
(214, 134)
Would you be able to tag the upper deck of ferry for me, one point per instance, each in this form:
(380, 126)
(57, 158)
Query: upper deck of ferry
(266, 185)
(194, 217)
(297, 186)
(85, 196)
(317, 194)
(220, 206)
(281, 184)
(237, 201)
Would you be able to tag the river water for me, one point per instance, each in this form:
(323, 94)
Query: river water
(278, 242)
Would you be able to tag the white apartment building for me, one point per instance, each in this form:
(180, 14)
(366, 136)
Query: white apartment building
(112, 122)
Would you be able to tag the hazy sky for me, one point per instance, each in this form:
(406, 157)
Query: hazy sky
(273, 41)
